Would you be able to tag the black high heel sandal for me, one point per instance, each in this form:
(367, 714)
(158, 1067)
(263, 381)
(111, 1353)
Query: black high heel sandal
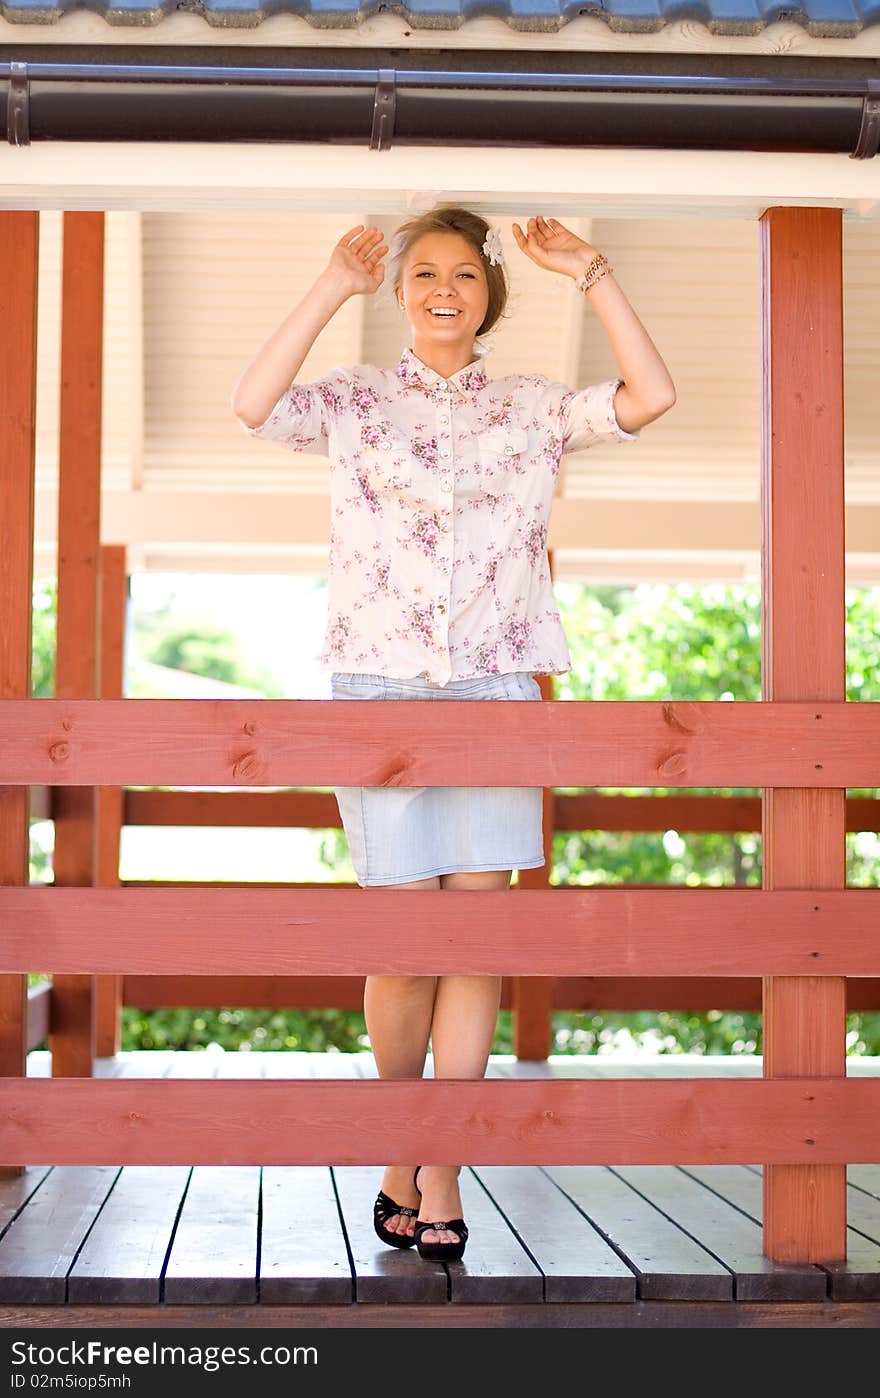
(440, 1252)
(384, 1209)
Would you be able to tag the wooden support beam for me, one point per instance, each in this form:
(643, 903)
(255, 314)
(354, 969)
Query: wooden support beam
(79, 535)
(317, 810)
(111, 799)
(699, 1121)
(533, 995)
(19, 267)
(695, 994)
(803, 640)
(609, 931)
(310, 742)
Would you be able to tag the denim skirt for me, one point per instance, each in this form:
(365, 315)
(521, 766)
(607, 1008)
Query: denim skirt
(403, 833)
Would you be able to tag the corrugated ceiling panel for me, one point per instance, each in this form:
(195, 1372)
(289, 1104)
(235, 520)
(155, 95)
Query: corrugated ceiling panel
(122, 403)
(694, 285)
(215, 288)
(861, 319)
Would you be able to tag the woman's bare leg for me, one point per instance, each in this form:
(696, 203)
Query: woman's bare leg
(398, 1011)
(462, 1030)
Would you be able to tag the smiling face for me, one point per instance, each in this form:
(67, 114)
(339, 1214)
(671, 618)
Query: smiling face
(446, 295)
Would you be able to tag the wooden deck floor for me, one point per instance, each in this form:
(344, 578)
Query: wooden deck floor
(570, 1246)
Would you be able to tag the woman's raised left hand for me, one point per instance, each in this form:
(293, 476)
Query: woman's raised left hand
(553, 246)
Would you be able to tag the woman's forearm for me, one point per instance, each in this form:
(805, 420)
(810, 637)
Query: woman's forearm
(277, 363)
(647, 379)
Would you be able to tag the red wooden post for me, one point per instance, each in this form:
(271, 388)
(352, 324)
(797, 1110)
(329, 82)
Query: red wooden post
(114, 596)
(803, 659)
(79, 514)
(532, 996)
(19, 244)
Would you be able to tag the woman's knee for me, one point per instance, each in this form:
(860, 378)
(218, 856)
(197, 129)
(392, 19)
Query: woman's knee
(483, 879)
(425, 884)
(403, 987)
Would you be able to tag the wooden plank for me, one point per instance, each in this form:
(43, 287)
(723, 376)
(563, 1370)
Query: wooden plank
(19, 275)
(638, 1315)
(697, 1201)
(139, 1063)
(213, 1255)
(303, 1252)
(72, 1028)
(692, 993)
(240, 1064)
(258, 992)
(122, 1259)
(39, 1246)
(16, 1190)
(858, 1277)
(865, 1177)
(288, 1063)
(686, 814)
(381, 1274)
(613, 931)
(637, 1122)
(377, 1271)
(855, 1278)
(307, 742)
(576, 1261)
(193, 1063)
(669, 1265)
(110, 799)
(532, 996)
(317, 810)
(803, 658)
(496, 1265)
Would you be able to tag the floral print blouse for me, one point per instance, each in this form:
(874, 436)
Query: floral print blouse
(441, 491)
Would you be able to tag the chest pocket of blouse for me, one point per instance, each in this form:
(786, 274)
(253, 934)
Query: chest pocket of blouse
(501, 452)
(385, 456)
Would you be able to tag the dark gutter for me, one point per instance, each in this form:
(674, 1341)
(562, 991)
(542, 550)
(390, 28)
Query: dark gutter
(402, 105)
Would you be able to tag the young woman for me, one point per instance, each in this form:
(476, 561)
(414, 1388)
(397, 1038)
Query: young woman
(442, 481)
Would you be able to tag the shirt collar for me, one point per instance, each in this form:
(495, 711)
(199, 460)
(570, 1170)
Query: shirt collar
(416, 374)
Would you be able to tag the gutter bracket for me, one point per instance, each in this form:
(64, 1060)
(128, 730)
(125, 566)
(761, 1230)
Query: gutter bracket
(384, 110)
(869, 131)
(18, 130)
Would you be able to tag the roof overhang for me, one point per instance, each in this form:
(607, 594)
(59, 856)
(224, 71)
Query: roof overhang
(396, 98)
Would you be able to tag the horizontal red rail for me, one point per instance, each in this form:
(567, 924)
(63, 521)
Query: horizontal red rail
(79, 1121)
(317, 810)
(282, 742)
(619, 993)
(521, 932)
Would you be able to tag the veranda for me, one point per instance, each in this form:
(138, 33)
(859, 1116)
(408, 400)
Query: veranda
(806, 940)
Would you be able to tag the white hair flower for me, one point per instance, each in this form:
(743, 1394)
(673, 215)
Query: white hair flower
(492, 247)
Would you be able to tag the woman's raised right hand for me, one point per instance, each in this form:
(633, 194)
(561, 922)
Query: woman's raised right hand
(357, 260)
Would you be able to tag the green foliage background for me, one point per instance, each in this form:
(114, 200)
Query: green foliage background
(648, 642)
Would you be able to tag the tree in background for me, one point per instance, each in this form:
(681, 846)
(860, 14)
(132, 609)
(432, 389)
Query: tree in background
(199, 647)
(44, 628)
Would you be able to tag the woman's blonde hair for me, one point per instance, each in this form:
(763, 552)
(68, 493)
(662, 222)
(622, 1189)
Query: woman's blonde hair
(450, 218)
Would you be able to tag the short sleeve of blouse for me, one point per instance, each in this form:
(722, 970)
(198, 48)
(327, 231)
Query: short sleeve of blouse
(303, 416)
(586, 415)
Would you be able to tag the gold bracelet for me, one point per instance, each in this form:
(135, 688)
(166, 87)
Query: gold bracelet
(597, 269)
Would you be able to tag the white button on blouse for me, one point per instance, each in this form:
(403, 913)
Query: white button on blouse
(388, 553)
